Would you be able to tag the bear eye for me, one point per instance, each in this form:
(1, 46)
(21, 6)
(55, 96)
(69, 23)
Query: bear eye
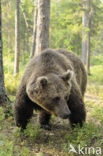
(56, 99)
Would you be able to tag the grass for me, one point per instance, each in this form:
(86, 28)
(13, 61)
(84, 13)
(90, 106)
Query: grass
(38, 142)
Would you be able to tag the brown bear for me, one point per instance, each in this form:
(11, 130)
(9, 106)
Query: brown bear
(54, 83)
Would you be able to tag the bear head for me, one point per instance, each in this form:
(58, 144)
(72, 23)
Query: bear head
(51, 92)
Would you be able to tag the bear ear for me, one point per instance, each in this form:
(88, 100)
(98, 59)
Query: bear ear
(42, 81)
(67, 76)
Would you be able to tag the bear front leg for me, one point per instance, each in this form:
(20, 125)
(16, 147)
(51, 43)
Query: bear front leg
(77, 108)
(78, 116)
(44, 118)
(23, 108)
(22, 116)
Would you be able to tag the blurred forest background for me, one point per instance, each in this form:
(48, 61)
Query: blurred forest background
(67, 30)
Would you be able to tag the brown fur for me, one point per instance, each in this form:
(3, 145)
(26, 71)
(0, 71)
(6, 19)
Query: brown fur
(54, 83)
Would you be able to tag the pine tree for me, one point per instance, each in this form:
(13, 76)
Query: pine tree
(3, 96)
(43, 19)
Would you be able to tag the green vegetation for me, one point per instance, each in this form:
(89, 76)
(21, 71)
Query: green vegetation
(65, 26)
(65, 32)
(35, 141)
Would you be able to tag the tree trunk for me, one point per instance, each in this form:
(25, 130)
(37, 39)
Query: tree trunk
(25, 18)
(86, 21)
(3, 96)
(84, 32)
(88, 36)
(42, 38)
(17, 38)
(34, 33)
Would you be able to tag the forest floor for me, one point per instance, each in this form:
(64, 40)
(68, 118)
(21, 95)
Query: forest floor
(59, 141)
(39, 142)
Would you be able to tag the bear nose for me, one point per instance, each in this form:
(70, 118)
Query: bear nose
(65, 116)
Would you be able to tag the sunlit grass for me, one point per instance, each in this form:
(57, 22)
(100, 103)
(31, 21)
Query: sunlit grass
(96, 74)
(12, 83)
(33, 141)
(96, 60)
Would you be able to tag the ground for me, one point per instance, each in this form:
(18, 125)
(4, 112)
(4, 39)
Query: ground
(38, 142)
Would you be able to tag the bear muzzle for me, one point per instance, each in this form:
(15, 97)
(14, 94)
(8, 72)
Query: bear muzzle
(66, 116)
(63, 111)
